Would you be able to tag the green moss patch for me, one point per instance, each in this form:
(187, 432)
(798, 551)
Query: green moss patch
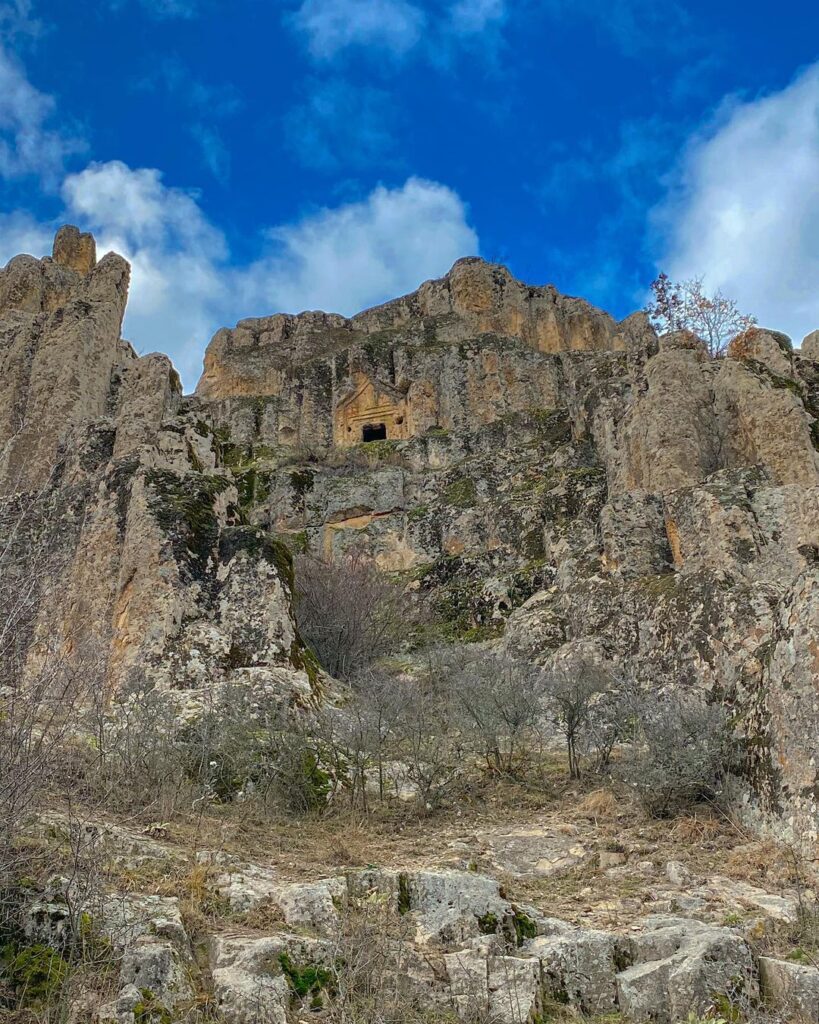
(525, 928)
(184, 507)
(258, 545)
(307, 980)
(403, 893)
(35, 974)
(302, 659)
(461, 493)
(149, 1010)
(488, 923)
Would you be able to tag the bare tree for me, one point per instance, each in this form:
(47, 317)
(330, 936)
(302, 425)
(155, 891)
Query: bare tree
(358, 737)
(573, 689)
(500, 701)
(42, 687)
(686, 306)
(429, 738)
(371, 971)
(348, 612)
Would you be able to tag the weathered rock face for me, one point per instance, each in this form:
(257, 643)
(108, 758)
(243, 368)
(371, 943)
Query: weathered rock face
(544, 475)
(124, 546)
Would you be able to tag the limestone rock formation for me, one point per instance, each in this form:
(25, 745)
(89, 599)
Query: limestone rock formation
(123, 531)
(545, 477)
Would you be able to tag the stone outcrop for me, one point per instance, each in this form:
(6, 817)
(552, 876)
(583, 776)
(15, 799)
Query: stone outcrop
(544, 477)
(791, 987)
(123, 539)
(460, 946)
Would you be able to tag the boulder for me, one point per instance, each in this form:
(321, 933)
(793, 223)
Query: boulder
(579, 968)
(155, 966)
(790, 987)
(249, 981)
(771, 348)
(75, 249)
(683, 966)
(126, 918)
(809, 348)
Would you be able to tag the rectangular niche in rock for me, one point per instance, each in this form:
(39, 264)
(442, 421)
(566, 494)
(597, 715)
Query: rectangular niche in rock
(374, 432)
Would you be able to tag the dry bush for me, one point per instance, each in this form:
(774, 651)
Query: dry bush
(240, 747)
(681, 754)
(348, 612)
(459, 715)
(360, 737)
(373, 973)
(430, 743)
(43, 686)
(700, 827)
(138, 765)
(763, 861)
(600, 804)
(498, 701)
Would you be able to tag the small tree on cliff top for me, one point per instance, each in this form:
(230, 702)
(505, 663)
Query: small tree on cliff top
(684, 306)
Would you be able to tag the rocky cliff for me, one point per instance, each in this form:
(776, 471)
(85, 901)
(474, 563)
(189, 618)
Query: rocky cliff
(546, 477)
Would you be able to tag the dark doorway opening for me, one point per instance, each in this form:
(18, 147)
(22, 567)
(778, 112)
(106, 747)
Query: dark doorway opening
(374, 432)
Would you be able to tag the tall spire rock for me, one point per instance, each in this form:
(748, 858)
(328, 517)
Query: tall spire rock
(75, 249)
(59, 346)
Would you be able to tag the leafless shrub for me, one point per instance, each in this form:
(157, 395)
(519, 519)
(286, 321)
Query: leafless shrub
(248, 746)
(459, 711)
(371, 965)
(429, 738)
(348, 612)
(43, 685)
(804, 932)
(414, 721)
(499, 701)
(359, 737)
(139, 765)
(374, 974)
(681, 753)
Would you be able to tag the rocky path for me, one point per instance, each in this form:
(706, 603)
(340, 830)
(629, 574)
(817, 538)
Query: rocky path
(540, 909)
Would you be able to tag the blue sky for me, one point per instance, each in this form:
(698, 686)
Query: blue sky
(253, 156)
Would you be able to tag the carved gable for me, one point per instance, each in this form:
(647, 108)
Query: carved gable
(369, 406)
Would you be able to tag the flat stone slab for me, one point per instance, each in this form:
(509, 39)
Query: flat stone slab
(531, 851)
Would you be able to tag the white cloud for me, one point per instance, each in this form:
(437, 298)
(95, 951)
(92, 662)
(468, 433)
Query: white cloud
(29, 144)
(475, 16)
(341, 125)
(137, 207)
(745, 211)
(178, 258)
(360, 254)
(183, 286)
(397, 26)
(333, 25)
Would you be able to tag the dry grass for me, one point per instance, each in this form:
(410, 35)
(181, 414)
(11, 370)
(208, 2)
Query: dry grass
(701, 827)
(600, 805)
(762, 862)
(601, 818)
(265, 917)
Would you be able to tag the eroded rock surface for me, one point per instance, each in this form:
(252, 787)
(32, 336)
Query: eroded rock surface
(545, 476)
